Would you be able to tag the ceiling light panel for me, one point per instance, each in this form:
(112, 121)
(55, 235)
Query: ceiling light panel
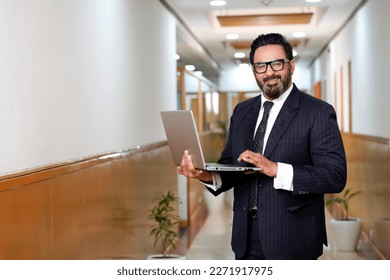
(217, 3)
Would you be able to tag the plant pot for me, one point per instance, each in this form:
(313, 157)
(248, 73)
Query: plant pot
(167, 257)
(346, 233)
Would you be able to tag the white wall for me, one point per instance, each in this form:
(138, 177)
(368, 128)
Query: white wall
(238, 78)
(301, 78)
(82, 77)
(364, 42)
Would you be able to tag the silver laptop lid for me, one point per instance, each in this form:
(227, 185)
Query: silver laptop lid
(181, 132)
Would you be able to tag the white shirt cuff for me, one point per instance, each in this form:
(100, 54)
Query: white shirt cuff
(284, 178)
(217, 181)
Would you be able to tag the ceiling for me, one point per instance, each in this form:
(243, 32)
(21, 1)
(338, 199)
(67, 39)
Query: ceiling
(202, 29)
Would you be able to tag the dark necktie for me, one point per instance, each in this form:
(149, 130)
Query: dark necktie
(258, 148)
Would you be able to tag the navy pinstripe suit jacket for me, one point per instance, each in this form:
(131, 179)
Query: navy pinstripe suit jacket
(305, 135)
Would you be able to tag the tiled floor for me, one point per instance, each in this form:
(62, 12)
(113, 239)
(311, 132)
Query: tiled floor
(212, 242)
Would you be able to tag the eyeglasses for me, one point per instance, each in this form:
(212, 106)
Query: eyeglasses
(276, 65)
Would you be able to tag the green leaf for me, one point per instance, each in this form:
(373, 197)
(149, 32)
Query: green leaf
(165, 229)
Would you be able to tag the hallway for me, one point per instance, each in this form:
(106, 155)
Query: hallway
(212, 242)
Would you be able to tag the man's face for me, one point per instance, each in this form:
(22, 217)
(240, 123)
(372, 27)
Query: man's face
(273, 83)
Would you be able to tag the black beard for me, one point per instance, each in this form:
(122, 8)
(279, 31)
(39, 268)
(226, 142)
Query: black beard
(275, 92)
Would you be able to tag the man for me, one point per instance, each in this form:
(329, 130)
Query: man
(301, 155)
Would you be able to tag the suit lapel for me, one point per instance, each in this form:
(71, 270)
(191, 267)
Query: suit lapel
(286, 115)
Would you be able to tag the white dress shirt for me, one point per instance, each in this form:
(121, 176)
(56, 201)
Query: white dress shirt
(285, 174)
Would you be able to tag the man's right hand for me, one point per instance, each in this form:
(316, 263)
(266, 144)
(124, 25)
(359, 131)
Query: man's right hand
(187, 169)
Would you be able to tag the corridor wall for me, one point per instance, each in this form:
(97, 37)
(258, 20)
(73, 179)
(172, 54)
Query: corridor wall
(81, 78)
(83, 154)
(353, 68)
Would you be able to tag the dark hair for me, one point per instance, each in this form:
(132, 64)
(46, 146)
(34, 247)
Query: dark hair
(271, 39)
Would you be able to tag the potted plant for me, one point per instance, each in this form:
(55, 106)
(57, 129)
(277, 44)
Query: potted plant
(165, 225)
(346, 230)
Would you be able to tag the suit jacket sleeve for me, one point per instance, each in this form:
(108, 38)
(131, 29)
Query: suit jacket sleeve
(326, 171)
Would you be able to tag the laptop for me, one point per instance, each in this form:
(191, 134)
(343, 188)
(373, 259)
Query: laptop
(182, 134)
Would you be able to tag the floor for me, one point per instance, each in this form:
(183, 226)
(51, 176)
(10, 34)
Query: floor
(212, 241)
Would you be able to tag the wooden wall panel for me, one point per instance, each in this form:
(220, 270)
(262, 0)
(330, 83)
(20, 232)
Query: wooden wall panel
(264, 19)
(97, 211)
(25, 222)
(368, 160)
(368, 168)
(317, 90)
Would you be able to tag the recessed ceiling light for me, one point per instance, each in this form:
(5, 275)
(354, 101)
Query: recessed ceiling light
(266, 2)
(313, 1)
(299, 34)
(239, 55)
(232, 36)
(217, 3)
(198, 73)
(190, 67)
